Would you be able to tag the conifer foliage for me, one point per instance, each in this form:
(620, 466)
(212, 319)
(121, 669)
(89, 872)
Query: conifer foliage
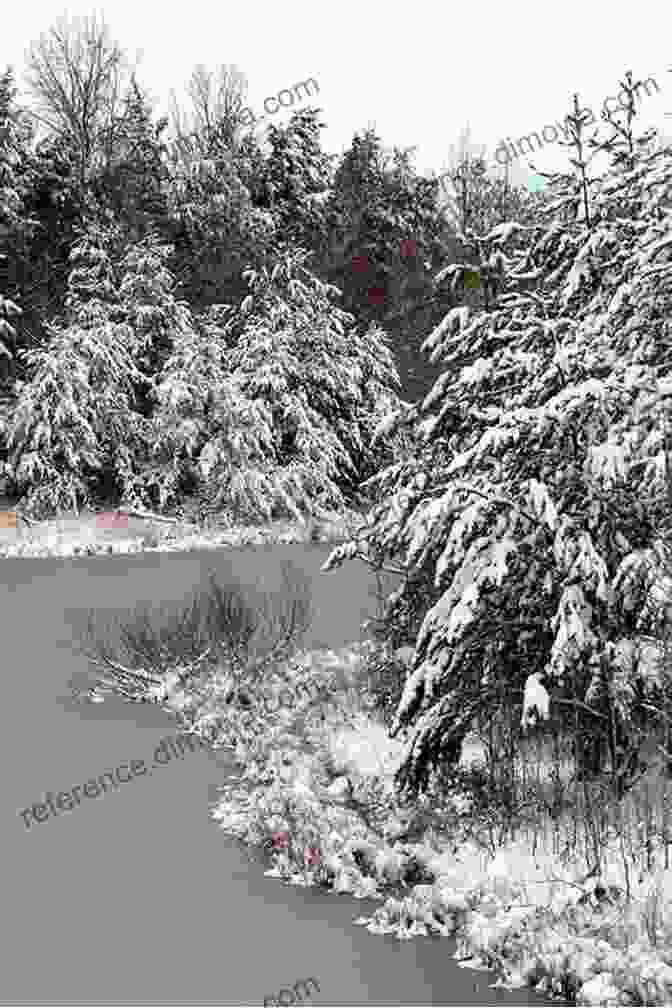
(148, 304)
(202, 422)
(295, 178)
(74, 416)
(103, 220)
(217, 231)
(272, 404)
(532, 513)
(12, 210)
(132, 180)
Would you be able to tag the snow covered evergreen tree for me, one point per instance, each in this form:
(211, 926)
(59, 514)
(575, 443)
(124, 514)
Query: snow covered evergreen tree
(60, 206)
(149, 306)
(132, 182)
(216, 230)
(323, 380)
(204, 423)
(74, 422)
(294, 180)
(275, 402)
(11, 208)
(16, 229)
(531, 514)
(159, 322)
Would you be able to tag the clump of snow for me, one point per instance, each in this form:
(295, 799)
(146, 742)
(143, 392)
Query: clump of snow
(473, 753)
(535, 701)
(599, 991)
(366, 750)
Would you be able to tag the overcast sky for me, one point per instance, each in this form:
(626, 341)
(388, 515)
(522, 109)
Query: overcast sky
(416, 72)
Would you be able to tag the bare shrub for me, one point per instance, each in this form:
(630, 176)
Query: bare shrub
(247, 630)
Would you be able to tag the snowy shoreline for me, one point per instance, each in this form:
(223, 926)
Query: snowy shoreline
(78, 537)
(525, 916)
(534, 921)
(318, 802)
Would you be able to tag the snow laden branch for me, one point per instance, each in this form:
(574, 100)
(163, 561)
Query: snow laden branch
(530, 515)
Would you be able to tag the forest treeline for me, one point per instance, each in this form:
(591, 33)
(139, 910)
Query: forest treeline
(142, 256)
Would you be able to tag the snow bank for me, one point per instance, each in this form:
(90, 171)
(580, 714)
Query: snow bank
(534, 921)
(87, 541)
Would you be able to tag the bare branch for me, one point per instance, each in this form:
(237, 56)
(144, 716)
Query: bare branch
(125, 673)
(217, 102)
(74, 73)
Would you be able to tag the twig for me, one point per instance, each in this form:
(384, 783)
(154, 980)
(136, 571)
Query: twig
(116, 687)
(186, 670)
(359, 555)
(141, 677)
(136, 513)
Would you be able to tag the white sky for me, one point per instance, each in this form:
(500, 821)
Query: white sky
(418, 73)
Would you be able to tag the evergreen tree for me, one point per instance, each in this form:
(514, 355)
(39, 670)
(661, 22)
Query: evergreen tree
(323, 379)
(274, 401)
(295, 179)
(530, 513)
(216, 231)
(205, 424)
(133, 182)
(12, 211)
(147, 304)
(386, 240)
(16, 229)
(74, 429)
(57, 203)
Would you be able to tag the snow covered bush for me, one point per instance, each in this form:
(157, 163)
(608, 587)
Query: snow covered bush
(531, 511)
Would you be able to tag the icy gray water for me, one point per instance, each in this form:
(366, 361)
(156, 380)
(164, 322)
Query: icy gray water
(136, 896)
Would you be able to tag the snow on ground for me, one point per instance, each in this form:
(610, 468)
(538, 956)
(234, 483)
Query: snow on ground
(72, 536)
(523, 912)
